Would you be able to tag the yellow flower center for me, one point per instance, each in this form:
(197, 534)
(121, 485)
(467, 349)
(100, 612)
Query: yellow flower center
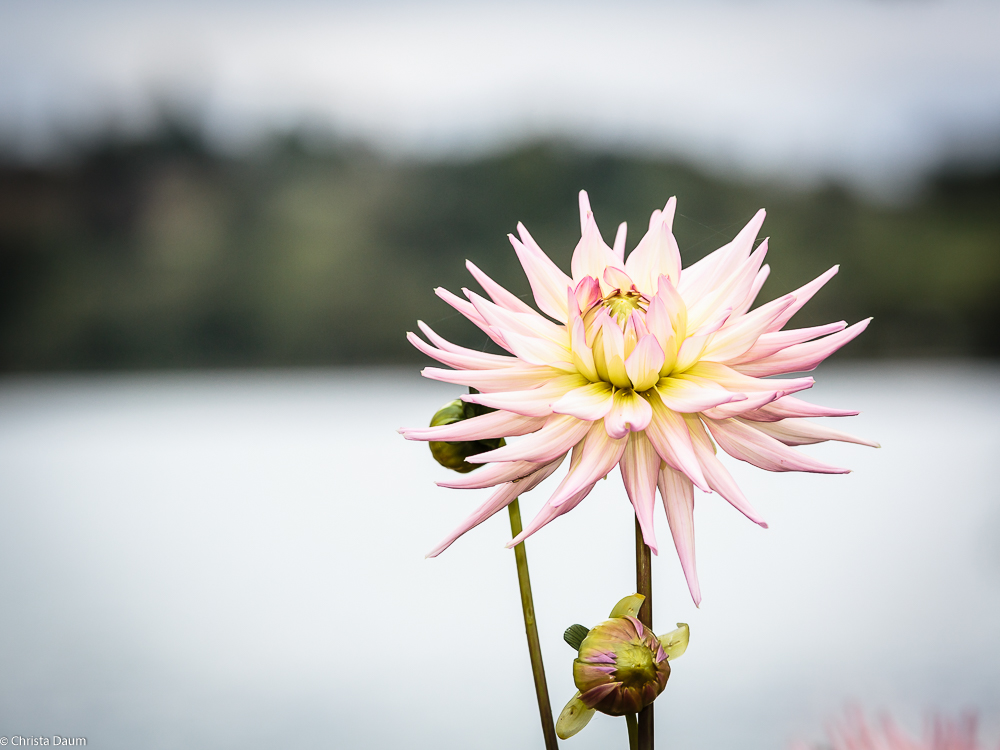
(621, 304)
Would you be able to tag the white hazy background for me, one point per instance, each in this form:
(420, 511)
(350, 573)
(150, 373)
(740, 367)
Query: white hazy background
(236, 561)
(871, 92)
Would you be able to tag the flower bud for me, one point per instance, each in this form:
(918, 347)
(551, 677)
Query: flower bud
(452, 455)
(622, 667)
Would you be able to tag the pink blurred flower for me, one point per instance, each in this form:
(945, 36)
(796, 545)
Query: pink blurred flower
(638, 365)
(855, 733)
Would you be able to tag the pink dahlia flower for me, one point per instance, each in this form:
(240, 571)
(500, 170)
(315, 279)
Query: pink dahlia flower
(857, 734)
(636, 364)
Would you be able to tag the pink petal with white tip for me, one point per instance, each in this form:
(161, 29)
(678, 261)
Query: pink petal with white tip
(500, 499)
(558, 435)
(669, 434)
(640, 467)
(496, 424)
(755, 288)
(718, 478)
(738, 337)
(629, 413)
(789, 406)
(497, 360)
(677, 493)
(497, 293)
(749, 403)
(592, 255)
(774, 342)
(746, 443)
(801, 432)
(525, 324)
(687, 397)
(509, 378)
(644, 363)
(548, 514)
(548, 283)
(802, 295)
(589, 402)
(491, 475)
(463, 361)
(656, 254)
(536, 402)
(619, 245)
(802, 357)
(597, 455)
(469, 311)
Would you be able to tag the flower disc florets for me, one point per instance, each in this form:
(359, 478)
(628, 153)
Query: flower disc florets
(639, 364)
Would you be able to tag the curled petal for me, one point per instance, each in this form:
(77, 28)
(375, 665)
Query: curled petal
(670, 436)
(640, 467)
(493, 425)
(789, 406)
(689, 397)
(630, 412)
(677, 494)
(644, 363)
(509, 378)
(589, 402)
(801, 432)
(548, 282)
(802, 357)
(598, 454)
(497, 293)
(536, 402)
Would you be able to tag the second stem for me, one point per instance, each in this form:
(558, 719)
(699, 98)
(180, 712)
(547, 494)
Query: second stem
(644, 586)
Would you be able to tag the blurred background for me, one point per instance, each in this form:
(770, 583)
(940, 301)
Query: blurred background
(218, 219)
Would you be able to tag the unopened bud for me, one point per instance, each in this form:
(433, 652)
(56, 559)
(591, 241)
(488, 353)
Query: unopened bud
(452, 455)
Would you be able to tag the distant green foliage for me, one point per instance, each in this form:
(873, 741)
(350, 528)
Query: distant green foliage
(162, 254)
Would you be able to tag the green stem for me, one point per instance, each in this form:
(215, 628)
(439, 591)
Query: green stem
(644, 586)
(633, 731)
(531, 629)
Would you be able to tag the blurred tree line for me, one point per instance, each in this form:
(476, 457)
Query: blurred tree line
(162, 253)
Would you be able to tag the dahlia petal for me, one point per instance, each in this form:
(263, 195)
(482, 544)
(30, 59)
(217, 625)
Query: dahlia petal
(581, 354)
(596, 694)
(525, 324)
(677, 493)
(736, 380)
(589, 402)
(628, 606)
(801, 432)
(559, 434)
(802, 357)
(690, 352)
(658, 321)
(674, 305)
(498, 360)
(496, 424)
(536, 402)
(730, 292)
(499, 500)
(775, 341)
(738, 337)
(644, 363)
(592, 255)
(615, 278)
(656, 254)
(755, 288)
(746, 443)
(718, 478)
(548, 283)
(701, 278)
(598, 455)
(669, 434)
(640, 466)
(618, 248)
(462, 361)
(614, 353)
(587, 292)
(509, 378)
(540, 352)
(548, 514)
(789, 406)
(687, 397)
(573, 718)
(586, 212)
(490, 476)
(497, 293)
(629, 413)
(802, 295)
(668, 212)
(739, 407)
(469, 311)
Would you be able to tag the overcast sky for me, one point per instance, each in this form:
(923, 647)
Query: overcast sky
(871, 90)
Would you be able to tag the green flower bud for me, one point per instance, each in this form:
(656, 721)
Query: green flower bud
(621, 668)
(452, 455)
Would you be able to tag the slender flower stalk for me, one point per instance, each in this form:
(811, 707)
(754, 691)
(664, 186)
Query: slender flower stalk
(644, 586)
(638, 364)
(531, 629)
